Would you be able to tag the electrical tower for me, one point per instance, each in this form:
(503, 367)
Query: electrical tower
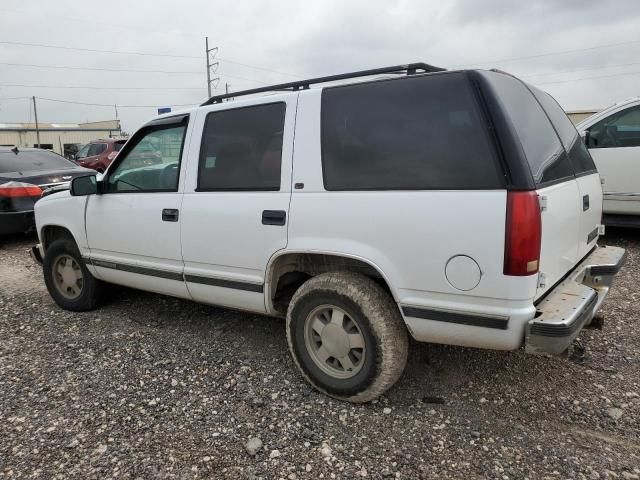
(212, 66)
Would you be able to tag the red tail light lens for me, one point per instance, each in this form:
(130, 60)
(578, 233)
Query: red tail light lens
(523, 234)
(19, 189)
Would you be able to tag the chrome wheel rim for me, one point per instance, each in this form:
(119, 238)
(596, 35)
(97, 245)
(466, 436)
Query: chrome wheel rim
(334, 341)
(67, 276)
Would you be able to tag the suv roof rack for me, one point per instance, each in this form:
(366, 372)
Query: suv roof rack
(410, 69)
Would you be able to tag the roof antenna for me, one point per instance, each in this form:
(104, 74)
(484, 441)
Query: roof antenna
(15, 150)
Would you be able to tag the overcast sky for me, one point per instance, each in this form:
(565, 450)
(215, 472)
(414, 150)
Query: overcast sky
(558, 45)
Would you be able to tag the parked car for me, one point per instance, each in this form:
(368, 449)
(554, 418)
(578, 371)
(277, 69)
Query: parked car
(99, 154)
(24, 174)
(613, 138)
(457, 207)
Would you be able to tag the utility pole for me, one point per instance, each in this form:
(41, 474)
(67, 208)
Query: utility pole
(35, 114)
(115, 107)
(210, 65)
(226, 88)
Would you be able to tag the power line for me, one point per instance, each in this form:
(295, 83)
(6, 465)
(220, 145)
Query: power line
(111, 105)
(126, 52)
(119, 25)
(589, 78)
(548, 54)
(121, 70)
(585, 69)
(95, 50)
(90, 87)
(258, 68)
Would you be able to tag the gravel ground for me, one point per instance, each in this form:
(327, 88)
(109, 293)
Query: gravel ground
(154, 387)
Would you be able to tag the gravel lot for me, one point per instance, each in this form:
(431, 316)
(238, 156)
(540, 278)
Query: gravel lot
(154, 387)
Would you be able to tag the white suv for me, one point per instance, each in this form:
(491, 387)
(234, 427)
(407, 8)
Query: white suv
(458, 207)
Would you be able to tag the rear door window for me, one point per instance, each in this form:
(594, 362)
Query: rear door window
(573, 144)
(545, 154)
(417, 133)
(242, 149)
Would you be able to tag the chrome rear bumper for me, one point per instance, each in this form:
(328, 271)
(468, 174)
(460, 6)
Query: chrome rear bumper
(573, 303)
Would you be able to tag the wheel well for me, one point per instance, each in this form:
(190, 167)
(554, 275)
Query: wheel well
(51, 233)
(291, 270)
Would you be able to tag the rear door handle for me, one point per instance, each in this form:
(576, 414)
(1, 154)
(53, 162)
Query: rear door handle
(170, 214)
(585, 203)
(274, 217)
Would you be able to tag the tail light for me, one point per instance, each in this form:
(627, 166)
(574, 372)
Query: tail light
(19, 189)
(523, 234)
(112, 155)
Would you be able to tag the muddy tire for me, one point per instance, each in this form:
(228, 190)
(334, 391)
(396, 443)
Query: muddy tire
(69, 282)
(347, 337)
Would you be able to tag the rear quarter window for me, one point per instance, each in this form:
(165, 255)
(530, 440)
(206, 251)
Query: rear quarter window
(417, 133)
(545, 154)
(578, 154)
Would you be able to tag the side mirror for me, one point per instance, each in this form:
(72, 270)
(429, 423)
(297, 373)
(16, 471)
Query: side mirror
(87, 185)
(585, 137)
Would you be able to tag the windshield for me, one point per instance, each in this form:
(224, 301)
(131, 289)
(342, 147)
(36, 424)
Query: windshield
(29, 161)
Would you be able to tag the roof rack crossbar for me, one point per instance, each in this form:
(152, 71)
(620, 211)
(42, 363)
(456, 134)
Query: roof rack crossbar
(410, 69)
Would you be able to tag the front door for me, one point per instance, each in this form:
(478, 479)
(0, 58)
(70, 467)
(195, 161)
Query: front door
(133, 228)
(614, 143)
(236, 203)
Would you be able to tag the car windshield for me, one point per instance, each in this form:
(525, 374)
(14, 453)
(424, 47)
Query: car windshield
(28, 161)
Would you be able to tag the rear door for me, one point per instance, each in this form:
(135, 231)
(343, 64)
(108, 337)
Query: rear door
(236, 202)
(584, 169)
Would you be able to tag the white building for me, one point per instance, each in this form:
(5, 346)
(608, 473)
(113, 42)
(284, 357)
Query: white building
(59, 137)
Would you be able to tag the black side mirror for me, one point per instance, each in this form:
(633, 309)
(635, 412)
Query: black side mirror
(87, 185)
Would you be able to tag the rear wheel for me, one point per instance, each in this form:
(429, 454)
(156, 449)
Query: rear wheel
(346, 336)
(69, 282)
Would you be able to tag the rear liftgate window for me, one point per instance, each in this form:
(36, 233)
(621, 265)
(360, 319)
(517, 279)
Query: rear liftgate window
(542, 148)
(421, 133)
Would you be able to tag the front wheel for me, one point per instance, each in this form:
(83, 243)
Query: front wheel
(69, 282)
(347, 336)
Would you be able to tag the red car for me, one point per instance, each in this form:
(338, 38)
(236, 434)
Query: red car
(99, 154)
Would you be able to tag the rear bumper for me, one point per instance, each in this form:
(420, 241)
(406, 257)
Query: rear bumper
(17, 222)
(573, 303)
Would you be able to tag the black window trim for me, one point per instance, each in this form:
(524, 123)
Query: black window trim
(239, 189)
(576, 138)
(153, 126)
(489, 134)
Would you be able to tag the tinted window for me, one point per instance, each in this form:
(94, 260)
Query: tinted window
(242, 149)
(411, 134)
(152, 164)
(542, 148)
(96, 149)
(622, 129)
(29, 161)
(117, 146)
(573, 144)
